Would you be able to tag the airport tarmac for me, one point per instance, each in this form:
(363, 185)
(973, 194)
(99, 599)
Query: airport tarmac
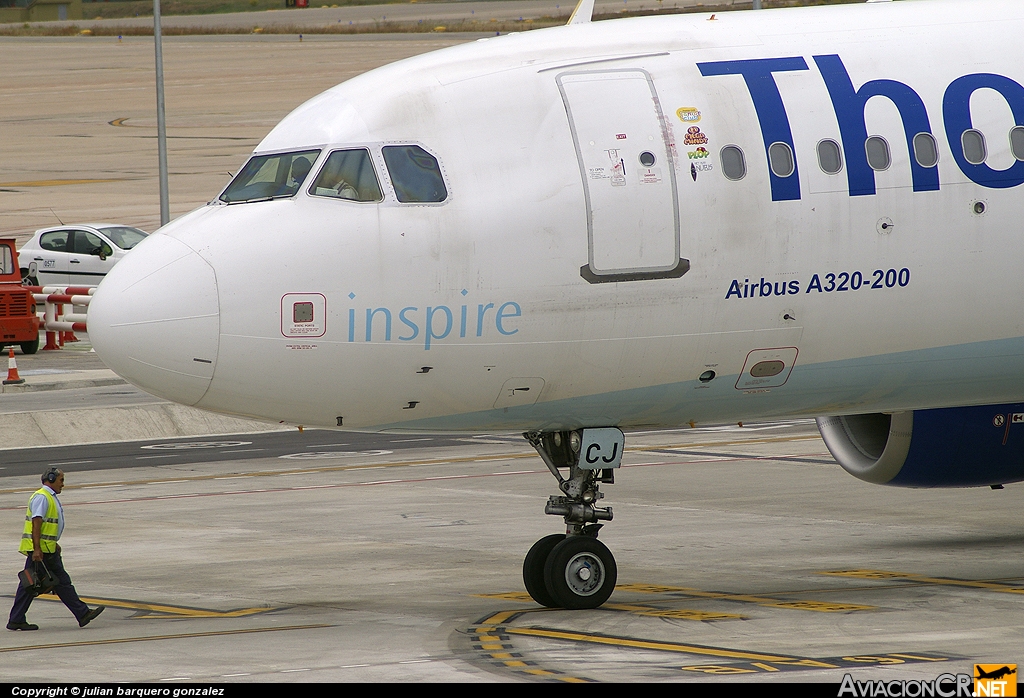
(744, 553)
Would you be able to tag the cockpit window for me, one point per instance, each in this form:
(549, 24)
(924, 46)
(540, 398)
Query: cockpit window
(415, 174)
(123, 236)
(348, 174)
(270, 177)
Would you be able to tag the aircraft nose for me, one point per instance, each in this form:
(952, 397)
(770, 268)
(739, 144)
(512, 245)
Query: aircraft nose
(155, 320)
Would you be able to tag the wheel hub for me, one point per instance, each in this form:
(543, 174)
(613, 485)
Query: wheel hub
(584, 574)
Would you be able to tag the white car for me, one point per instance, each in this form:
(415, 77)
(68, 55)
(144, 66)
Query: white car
(75, 255)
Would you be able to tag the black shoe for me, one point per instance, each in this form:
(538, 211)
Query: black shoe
(22, 626)
(84, 620)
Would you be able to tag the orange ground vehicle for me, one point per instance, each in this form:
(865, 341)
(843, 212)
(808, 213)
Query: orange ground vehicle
(18, 322)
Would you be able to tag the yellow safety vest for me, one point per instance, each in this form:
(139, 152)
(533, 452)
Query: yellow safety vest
(48, 534)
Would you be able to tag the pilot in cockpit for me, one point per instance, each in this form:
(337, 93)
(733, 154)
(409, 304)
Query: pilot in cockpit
(332, 182)
(300, 169)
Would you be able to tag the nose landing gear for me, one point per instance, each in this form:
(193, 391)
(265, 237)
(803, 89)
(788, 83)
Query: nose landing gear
(575, 570)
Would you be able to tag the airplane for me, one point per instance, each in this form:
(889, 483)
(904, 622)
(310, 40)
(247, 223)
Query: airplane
(996, 674)
(638, 223)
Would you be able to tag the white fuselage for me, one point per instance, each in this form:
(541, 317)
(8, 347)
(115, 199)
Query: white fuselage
(547, 292)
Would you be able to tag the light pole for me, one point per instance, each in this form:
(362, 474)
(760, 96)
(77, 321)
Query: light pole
(161, 126)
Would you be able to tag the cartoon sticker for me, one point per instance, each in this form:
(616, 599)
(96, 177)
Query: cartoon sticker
(698, 154)
(688, 115)
(694, 137)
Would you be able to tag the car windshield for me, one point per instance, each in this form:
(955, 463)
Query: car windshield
(123, 236)
(270, 177)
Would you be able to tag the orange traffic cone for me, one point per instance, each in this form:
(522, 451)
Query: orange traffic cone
(12, 370)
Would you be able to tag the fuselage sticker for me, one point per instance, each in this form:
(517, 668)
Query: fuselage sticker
(688, 115)
(694, 137)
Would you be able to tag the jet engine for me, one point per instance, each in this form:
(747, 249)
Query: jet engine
(952, 447)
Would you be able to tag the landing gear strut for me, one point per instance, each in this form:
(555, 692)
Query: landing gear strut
(575, 570)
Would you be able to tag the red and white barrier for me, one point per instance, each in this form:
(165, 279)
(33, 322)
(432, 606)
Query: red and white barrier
(60, 326)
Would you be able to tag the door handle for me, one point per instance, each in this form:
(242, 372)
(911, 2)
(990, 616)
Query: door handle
(75, 261)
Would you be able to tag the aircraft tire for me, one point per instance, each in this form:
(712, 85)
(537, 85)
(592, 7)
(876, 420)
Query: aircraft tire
(580, 573)
(533, 569)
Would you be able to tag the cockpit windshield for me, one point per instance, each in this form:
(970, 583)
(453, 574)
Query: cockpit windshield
(348, 174)
(270, 177)
(123, 236)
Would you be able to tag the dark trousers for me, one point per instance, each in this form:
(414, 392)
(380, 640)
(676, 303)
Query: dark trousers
(65, 590)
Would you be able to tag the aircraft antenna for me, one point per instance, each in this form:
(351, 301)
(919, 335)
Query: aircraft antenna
(583, 12)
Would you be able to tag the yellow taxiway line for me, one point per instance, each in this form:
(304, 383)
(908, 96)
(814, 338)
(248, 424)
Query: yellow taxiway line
(167, 610)
(145, 638)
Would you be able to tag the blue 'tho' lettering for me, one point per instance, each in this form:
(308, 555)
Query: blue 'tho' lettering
(771, 112)
(956, 112)
(849, 107)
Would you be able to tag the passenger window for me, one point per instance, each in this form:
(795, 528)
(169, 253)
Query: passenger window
(780, 156)
(6, 260)
(270, 177)
(830, 157)
(879, 157)
(926, 151)
(975, 150)
(57, 241)
(415, 174)
(734, 165)
(348, 174)
(1017, 142)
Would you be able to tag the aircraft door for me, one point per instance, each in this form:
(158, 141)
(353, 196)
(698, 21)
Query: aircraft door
(624, 151)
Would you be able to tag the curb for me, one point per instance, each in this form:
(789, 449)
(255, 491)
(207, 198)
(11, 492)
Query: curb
(67, 385)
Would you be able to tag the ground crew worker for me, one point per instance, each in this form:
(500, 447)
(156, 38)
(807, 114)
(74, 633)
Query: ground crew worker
(44, 522)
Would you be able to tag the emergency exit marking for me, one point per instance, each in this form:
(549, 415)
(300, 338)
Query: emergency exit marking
(303, 315)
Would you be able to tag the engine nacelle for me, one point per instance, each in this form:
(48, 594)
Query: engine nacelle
(954, 447)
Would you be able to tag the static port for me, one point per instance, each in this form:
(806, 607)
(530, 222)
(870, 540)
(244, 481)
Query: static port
(707, 377)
